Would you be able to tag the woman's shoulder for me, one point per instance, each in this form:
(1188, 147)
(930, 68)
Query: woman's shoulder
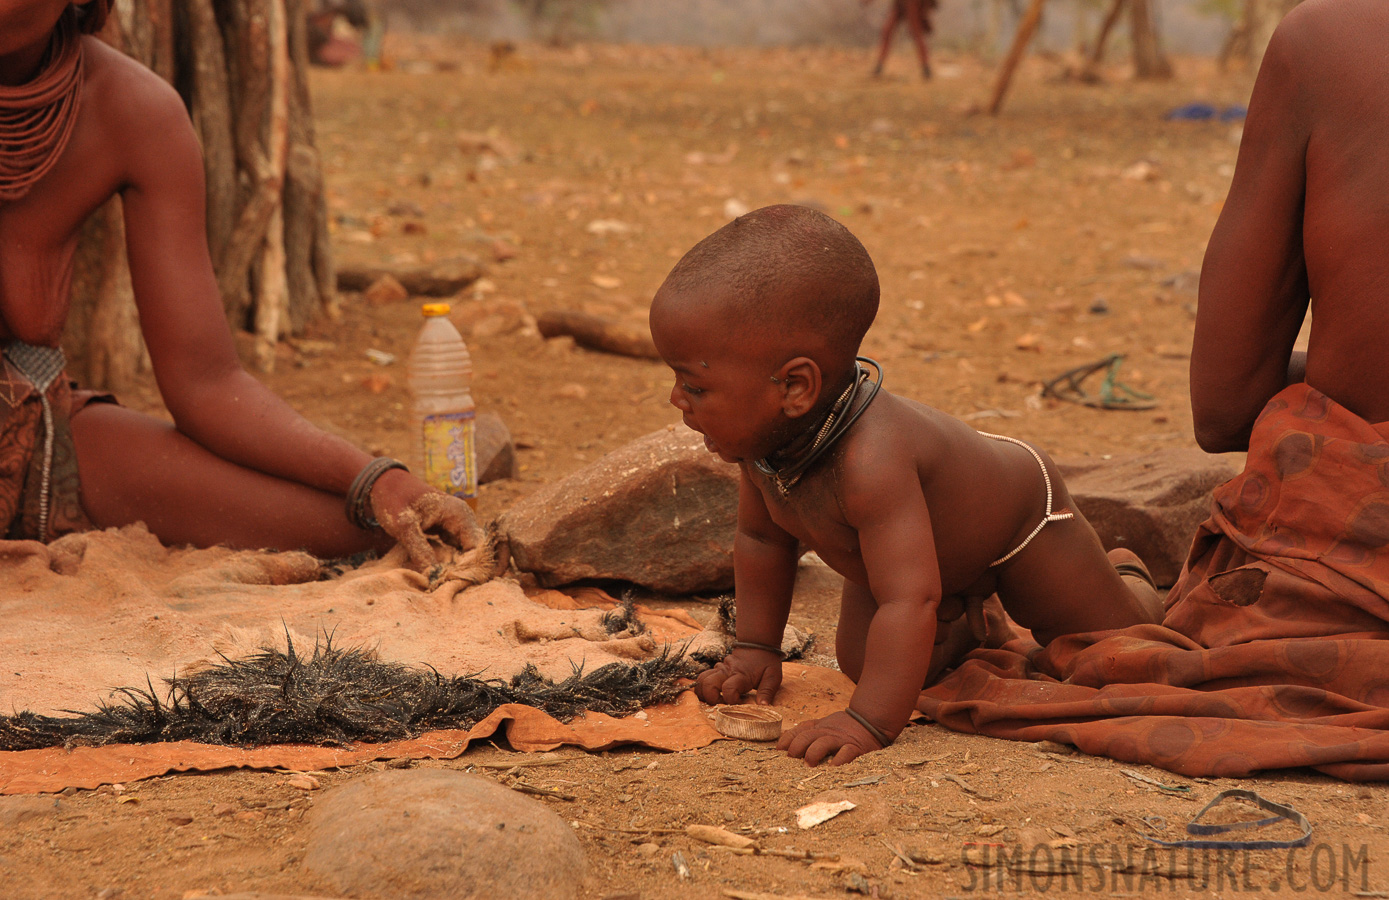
(122, 91)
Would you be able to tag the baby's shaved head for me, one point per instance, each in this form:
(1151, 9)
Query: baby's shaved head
(781, 272)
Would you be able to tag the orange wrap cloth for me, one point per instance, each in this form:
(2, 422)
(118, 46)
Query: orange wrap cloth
(1274, 652)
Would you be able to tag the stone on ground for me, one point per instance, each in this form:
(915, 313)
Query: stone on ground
(25, 809)
(1150, 503)
(496, 453)
(433, 834)
(660, 512)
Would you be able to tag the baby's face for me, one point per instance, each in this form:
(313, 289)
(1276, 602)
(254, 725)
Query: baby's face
(722, 390)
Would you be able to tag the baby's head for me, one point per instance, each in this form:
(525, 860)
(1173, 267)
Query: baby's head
(761, 322)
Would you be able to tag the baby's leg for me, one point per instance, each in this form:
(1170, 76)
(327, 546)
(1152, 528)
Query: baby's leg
(1065, 583)
(134, 468)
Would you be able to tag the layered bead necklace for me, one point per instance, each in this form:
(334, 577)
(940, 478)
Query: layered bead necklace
(37, 118)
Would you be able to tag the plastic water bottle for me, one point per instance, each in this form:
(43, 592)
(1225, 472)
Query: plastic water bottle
(440, 376)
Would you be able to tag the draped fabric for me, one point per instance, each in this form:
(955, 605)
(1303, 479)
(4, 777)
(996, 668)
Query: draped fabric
(1274, 650)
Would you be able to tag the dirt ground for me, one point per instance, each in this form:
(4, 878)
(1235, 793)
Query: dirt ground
(1009, 249)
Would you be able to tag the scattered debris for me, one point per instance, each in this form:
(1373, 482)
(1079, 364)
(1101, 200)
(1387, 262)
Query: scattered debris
(380, 357)
(823, 811)
(964, 786)
(1144, 779)
(748, 723)
(712, 834)
(682, 868)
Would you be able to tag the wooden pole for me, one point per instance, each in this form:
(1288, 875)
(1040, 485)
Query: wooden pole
(1026, 28)
(272, 294)
(1091, 72)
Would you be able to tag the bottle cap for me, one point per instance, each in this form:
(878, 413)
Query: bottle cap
(435, 309)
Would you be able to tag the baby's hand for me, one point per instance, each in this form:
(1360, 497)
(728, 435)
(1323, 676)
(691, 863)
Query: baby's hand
(742, 670)
(838, 738)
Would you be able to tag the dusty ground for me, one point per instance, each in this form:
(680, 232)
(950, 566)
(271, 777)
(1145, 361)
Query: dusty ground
(996, 241)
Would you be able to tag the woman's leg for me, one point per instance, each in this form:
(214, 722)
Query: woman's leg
(135, 468)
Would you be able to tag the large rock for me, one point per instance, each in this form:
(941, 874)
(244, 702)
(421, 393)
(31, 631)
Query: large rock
(1150, 504)
(433, 834)
(660, 512)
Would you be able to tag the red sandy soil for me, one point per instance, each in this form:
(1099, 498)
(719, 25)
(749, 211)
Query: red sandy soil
(993, 238)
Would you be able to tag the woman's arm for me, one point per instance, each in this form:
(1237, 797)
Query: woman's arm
(1254, 291)
(212, 399)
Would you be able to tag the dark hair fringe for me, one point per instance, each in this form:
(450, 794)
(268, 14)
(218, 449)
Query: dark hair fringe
(337, 696)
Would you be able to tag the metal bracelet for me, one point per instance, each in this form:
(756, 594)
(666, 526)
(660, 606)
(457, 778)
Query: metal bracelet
(877, 733)
(359, 495)
(753, 645)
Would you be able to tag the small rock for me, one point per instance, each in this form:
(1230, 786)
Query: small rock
(431, 833)
(648, 849)
(18, 810)
(660, 512)
(378, 382)
(303, 782)
(249, 815)
(385, 291)
(181, 820)
(222, 810)
(572, 391)
(1099, 306)
(496, 454)
(503, 250)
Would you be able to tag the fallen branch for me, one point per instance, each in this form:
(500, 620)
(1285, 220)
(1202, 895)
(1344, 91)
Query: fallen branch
(597, 333)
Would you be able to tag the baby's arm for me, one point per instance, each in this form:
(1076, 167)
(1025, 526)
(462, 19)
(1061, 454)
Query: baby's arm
(882, 499)
(764, 573)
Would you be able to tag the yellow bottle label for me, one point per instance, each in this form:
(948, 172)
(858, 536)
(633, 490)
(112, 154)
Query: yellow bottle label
(450, 454)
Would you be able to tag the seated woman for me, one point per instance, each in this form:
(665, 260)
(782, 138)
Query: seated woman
(1298, 541)
(79, 123)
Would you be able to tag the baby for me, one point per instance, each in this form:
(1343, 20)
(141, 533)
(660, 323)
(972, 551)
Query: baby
(922, 515)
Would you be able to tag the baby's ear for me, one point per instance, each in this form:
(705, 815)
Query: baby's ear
(800, 386)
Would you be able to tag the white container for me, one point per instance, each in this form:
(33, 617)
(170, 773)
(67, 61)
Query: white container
(440, 374)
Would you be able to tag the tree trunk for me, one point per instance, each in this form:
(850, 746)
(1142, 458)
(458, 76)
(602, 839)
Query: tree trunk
(241, 67)
(1149, 62)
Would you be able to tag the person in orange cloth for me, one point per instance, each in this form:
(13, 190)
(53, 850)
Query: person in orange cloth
(80, 123)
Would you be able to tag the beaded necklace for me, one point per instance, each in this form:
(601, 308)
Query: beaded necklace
(37, 118)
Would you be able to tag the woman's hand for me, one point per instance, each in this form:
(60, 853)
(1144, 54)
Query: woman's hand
(408, 510)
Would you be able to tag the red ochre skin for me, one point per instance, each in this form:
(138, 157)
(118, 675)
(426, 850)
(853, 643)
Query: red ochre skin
(238, 467)
(911, 506)
(1307, 216)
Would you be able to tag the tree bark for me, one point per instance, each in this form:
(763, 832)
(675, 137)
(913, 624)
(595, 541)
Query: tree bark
(267, 222)
(1149, 62)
